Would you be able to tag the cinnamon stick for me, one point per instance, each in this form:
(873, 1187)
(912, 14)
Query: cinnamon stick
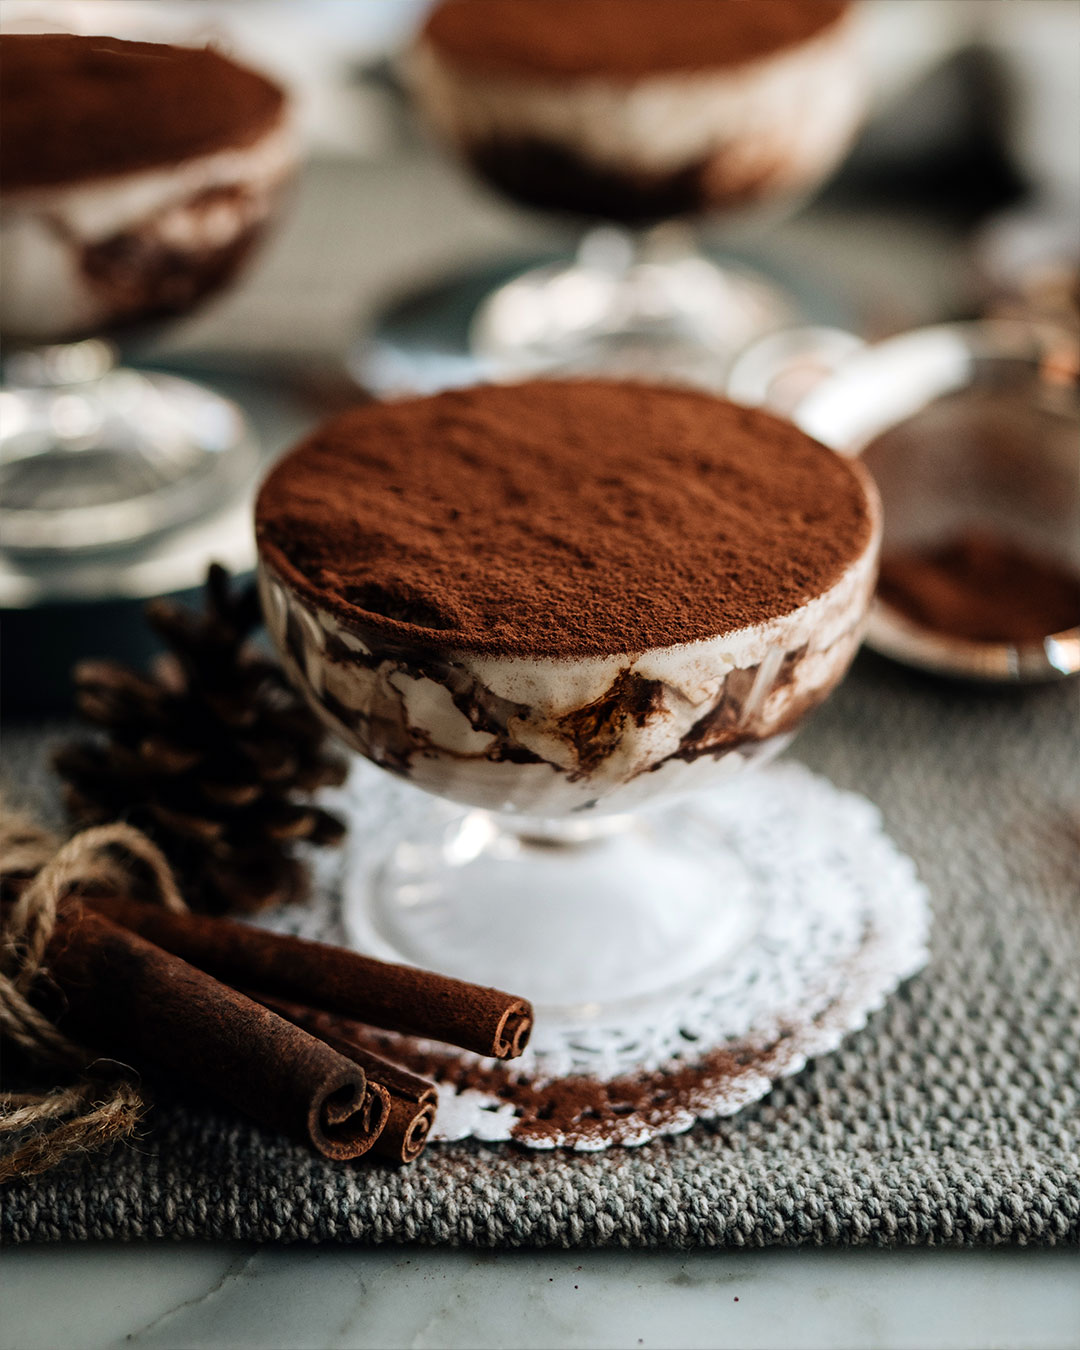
(131, 1000)
(413, 1100)
(396, 998)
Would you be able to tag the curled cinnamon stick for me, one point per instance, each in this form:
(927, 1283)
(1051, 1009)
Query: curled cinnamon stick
(396, 998)
(374, 1113)
(131, 1000)
(413, 1100)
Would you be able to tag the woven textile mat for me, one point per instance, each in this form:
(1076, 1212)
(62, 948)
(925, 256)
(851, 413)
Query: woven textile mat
(954, 1117)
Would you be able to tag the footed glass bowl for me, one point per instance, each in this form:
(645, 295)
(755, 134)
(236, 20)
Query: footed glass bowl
(533, 844)
(637, 159)
(93, 454)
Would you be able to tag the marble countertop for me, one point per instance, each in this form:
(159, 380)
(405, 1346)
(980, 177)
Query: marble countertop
(238, 1296)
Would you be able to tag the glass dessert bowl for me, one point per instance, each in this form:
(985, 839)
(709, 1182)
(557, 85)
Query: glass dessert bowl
(553, 604)
(637, 116)
(137, 178)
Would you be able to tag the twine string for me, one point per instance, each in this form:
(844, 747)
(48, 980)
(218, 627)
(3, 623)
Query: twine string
(102, 1105)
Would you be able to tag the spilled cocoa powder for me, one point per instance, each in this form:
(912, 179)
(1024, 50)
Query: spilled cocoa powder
(581, 1108)
(621, 39)
(77, 107)
(981, 587)
(560, 518)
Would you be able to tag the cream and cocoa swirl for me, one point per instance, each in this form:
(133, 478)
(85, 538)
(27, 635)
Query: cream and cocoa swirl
(546, 736)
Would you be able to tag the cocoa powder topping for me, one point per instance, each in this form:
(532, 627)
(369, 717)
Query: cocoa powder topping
(560, 518)
(621, 39)
(78, 107)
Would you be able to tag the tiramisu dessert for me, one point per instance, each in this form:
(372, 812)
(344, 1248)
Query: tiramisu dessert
(563, 595)
(640, 110)
(135, 178)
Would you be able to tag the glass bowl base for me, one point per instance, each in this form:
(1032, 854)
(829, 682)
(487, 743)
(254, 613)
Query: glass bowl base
(836, 916)
(668, 314)
(111, 460)
(676, 318)
(584, 917)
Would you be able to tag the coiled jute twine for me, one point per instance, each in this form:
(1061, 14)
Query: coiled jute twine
(104, 1103)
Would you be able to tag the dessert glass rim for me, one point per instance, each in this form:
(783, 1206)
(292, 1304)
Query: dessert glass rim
(396, 633)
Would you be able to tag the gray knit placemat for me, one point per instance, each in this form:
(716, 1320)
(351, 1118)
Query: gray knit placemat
(954, 1117)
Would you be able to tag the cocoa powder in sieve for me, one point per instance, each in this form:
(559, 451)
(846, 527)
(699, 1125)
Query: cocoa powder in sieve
(620, 39)
(76, 107)
(982, 587)
(561, 518)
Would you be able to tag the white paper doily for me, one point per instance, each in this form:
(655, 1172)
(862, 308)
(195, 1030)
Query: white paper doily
(843, 920)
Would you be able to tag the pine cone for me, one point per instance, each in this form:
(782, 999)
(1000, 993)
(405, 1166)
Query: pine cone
(206, 754)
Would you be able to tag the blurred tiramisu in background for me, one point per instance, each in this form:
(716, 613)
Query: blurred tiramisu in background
(135, 177)
(642, 109)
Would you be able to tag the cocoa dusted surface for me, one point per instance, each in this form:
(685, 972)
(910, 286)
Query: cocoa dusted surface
(77, 107)
(620, 39)
(577, 518)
